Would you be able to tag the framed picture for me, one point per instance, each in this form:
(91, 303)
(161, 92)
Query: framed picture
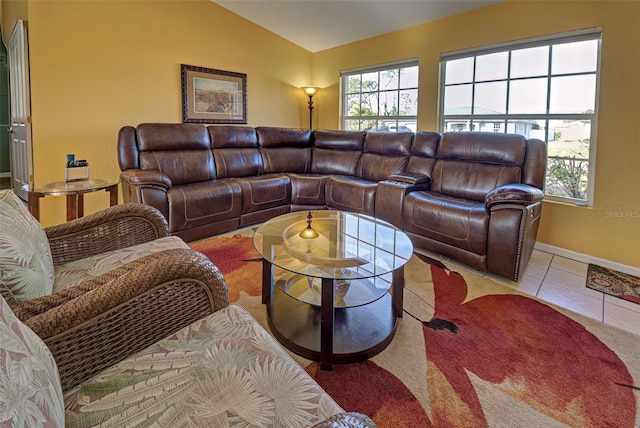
(213, 96)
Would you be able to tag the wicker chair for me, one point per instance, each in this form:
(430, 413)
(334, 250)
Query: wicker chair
(97, 326)
(129, 307)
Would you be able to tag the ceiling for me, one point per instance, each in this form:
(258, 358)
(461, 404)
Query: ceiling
(322, 24)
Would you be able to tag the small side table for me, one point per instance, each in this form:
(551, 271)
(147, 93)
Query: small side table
(74, 191)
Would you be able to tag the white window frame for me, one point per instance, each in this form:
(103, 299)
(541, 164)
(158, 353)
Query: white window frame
(550, 40)
(398, 119)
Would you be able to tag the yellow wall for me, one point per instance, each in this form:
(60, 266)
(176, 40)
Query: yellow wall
(611, 229)
(10, 11)
(99, 65)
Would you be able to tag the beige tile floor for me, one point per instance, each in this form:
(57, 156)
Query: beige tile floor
(561, 281)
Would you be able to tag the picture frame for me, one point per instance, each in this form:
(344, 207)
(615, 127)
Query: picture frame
(213, 96)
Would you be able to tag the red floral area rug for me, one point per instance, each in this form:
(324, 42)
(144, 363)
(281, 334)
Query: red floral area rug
(615, 283)
(469, 352)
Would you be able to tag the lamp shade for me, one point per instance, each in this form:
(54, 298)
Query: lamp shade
(310, 90)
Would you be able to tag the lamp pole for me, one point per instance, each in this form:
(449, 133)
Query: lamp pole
(310, 111)
(310, 91)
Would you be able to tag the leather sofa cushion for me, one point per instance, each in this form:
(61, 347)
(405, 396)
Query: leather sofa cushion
(384, 154)
(180, 151)
(336, 152)
(335, 162)
(172, 136)
(455, 221)
(308, 189)
(285, 150)
(182, 166)
(423, 152)
(502, 149)
(377, 167)
(471, 180)
(264, 191)
(232, 136)
(198, 204)
(270, 137)
(425, 144)
(470, 164)
(351, 194)
(286, 159)
(235, 151)
(388, 143)
(244, 162)
(339, 140)
(128, 153)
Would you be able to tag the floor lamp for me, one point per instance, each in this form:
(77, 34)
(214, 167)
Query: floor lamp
(310, 91)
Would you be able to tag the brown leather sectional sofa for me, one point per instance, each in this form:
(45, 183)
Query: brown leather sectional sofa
(473, 197)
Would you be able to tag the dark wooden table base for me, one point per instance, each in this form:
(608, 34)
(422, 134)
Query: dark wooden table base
(357, 333)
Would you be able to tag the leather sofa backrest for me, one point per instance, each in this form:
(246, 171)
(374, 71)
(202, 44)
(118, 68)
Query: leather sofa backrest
(182, 151)
(423, 152)
(336, 152)
(535, 163)
(285, 149)
(235, 150)
(128, 153)
(470, 164)
(384, 154)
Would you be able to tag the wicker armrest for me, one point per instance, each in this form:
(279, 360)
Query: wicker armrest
(113, 228)
(347, 420)
(100, 322)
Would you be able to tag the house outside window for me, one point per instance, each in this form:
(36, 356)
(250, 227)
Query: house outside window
(545, 88)
(381, 98)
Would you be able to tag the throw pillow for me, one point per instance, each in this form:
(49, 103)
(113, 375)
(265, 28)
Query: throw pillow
(26, 265)
(30, 388)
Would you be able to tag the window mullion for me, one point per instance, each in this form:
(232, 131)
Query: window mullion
(549, 68)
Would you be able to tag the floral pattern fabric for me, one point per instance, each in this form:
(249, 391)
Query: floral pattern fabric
(30, 389)
(26, 265)
(223, 371)
(90, 267)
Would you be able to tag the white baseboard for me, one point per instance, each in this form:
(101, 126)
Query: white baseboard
(5, 174)
(587, 259)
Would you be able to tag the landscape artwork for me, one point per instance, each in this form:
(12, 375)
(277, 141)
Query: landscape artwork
(213, 96)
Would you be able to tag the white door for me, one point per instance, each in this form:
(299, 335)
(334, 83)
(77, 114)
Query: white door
(20, 110)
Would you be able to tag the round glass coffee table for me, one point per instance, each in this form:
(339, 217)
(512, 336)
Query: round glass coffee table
(332, 282)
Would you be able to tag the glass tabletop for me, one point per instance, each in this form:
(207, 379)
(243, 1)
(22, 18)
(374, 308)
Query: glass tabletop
(347, 244)
(75, 186)
(355, 250)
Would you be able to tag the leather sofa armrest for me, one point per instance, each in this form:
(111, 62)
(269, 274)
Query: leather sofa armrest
(413, 179)
(516, 193)
(137, 177)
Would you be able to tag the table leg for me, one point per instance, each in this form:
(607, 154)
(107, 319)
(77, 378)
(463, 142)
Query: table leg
(113, 195)
(267, 268)
(34, 204)
(397, 298)
(326, 325)
(80, 208)
(267, 279)
(72, 207)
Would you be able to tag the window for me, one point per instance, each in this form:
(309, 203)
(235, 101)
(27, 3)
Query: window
(545, 88)
(381, 98)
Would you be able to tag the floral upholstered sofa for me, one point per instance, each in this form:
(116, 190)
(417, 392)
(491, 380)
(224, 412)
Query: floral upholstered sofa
(139, 333)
